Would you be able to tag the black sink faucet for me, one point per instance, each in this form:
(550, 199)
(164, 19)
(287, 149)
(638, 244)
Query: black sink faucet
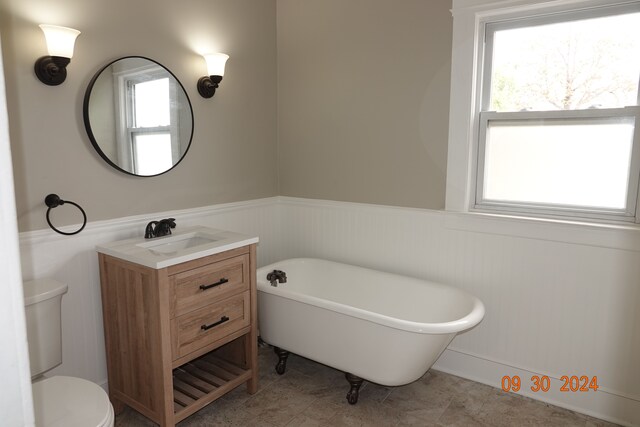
(159, 228)
(149, 231)
(164, 227)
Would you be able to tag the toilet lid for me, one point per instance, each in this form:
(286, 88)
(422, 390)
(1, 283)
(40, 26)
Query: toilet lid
(71, 402)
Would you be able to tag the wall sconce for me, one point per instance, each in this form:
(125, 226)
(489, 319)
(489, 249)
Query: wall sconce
(51, 70)
(207, 85)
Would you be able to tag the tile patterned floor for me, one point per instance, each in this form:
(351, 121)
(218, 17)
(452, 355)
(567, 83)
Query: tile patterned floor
(310, 394)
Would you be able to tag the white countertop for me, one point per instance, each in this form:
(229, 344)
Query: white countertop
(185, 244)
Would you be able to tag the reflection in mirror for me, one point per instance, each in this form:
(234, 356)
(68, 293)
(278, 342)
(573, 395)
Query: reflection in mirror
(138, 116)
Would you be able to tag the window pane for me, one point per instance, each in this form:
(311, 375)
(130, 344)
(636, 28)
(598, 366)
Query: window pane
(589, 63)
(151, 103)
(563, 162)
(152, 153)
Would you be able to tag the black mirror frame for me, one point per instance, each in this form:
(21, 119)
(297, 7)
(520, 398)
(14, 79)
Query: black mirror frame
(87, 121)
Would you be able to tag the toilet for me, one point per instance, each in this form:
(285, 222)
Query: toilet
(58, 401)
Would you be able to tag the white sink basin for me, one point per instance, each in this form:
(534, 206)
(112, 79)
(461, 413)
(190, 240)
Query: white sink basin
(183, 245)
(177, 243)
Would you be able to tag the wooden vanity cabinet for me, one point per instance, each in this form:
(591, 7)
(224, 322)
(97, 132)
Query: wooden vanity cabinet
(179, 337)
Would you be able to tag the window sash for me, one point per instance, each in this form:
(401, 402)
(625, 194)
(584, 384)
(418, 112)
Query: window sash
(490, 28)
(162, 130)
(552, 209)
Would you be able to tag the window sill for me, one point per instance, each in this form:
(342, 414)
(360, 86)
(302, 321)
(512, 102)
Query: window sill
(615, 236)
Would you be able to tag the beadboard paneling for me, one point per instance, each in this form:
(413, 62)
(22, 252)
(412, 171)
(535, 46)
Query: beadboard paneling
(560, 299)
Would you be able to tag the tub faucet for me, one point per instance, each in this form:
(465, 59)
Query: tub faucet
(277, 276)
(159, 228)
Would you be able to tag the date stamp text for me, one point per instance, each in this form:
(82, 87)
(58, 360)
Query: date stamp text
(570, 384)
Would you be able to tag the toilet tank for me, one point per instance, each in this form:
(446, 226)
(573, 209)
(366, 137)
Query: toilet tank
(42, 299)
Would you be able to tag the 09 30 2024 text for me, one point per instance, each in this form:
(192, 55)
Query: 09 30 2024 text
(542, 383)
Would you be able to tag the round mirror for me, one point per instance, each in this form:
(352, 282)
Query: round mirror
(138, 116)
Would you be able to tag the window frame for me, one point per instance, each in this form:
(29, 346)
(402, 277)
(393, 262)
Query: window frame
(467, 141)
(123, 83)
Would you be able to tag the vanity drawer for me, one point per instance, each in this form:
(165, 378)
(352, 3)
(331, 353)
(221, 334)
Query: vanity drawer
(199, 328)
(196, 288)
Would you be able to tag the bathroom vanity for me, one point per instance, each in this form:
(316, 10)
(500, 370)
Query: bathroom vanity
(179, 320)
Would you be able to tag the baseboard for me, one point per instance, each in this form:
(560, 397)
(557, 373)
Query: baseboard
(599, 404)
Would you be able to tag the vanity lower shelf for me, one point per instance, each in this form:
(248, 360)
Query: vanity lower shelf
(202, 381)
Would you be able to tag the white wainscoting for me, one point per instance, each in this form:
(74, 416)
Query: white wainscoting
(552, 308)
(555, 305)
(73, 260)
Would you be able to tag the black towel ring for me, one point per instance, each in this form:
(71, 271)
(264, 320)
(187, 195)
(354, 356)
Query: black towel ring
(53, 201)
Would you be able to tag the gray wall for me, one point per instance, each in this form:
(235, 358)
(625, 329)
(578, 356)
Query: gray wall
(348, 101)
(233, 154)
(363, 100)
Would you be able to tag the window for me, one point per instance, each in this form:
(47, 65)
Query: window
(147, 120)
(558, 113)
(149, 124)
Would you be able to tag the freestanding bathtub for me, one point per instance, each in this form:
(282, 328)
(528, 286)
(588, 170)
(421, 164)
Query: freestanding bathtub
(374, 326)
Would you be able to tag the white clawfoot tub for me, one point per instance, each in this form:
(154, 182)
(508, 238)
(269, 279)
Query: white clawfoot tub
(381, 327)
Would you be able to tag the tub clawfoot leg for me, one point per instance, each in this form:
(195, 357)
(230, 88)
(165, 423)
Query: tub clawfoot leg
(356, 383)
(282, 360)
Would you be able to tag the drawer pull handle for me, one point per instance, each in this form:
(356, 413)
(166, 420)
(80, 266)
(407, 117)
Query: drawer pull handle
(213, 285)
(222, 320)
